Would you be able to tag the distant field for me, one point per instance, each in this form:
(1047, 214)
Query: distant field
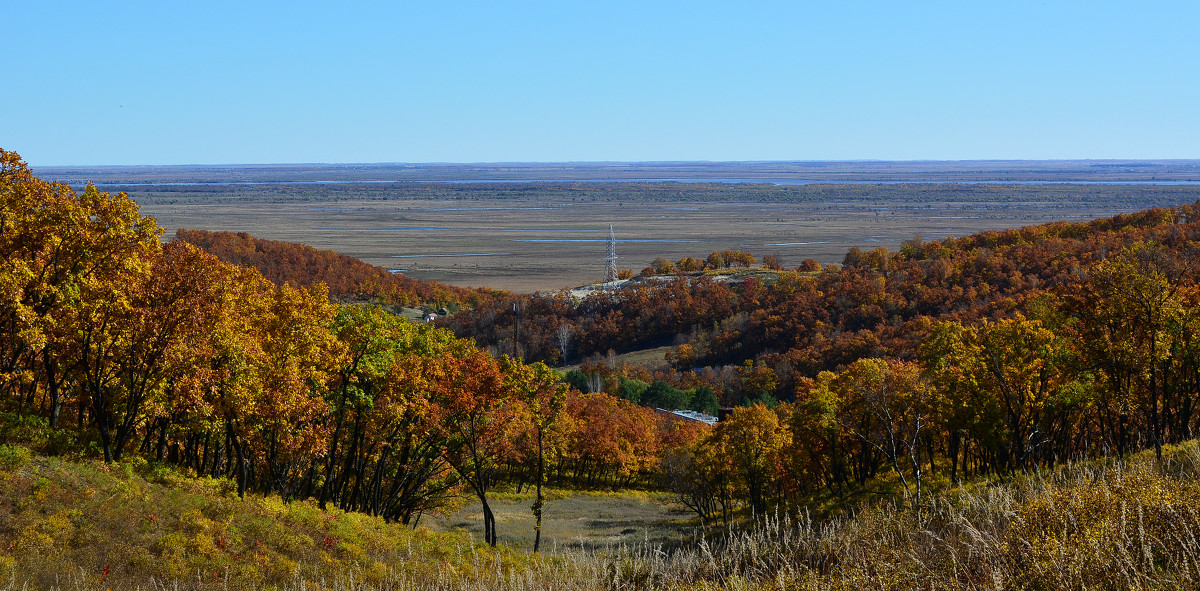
(553, 237)
(530, 236)
(653, 359)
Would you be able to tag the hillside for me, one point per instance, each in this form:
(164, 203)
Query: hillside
(812, 318)
(347, 278)
(86, 525)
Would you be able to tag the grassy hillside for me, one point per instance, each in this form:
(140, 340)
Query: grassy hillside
(78, 524)
(82, 524)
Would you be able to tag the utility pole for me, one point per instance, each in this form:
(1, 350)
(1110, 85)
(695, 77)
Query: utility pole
(517, 306)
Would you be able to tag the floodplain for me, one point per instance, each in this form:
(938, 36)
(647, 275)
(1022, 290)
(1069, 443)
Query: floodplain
(545, 228)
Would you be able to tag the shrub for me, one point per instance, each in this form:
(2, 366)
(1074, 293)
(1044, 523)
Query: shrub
(13, 457)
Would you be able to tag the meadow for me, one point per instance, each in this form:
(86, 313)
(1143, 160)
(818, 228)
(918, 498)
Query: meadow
(579, 520)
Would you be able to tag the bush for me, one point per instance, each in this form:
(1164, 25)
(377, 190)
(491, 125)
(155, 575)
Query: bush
(13, 457)
(30, 430)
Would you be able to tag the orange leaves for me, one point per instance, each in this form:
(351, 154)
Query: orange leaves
(613, 434)
(348, 278)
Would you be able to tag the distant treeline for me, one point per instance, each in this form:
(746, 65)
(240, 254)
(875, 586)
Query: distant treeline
(1110, 197)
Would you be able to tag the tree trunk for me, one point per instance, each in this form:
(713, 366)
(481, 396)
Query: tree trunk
(52, 386)
(241, 462)
(537, 504)
(331, 460)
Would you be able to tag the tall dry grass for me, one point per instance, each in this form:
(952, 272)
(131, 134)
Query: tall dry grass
(1111, 525)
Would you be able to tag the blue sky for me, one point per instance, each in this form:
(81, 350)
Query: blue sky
(257, 82)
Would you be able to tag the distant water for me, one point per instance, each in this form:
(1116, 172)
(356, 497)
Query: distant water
(444, 229)
(725, 181)
(461, 254)
(600, 240)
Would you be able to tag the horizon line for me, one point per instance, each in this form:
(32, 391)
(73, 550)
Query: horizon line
(629, 162)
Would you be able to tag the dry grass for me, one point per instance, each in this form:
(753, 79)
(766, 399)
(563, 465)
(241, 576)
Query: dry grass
(1115, 525)
(652, 359)
(573, 520)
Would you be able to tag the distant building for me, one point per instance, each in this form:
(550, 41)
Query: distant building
(430, 317)
(689, 415)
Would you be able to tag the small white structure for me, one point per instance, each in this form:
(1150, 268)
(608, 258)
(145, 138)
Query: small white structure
(691, 415)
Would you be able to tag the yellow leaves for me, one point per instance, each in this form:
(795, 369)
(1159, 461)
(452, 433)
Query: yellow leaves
(538, 387)
(754, 430)
(48, 536)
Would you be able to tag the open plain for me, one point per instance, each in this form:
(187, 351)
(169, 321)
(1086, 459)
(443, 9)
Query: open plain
(529, 228)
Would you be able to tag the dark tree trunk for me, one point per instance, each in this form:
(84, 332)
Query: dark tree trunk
(537, 504)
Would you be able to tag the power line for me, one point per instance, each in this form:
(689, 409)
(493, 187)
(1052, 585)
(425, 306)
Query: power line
(610, 268)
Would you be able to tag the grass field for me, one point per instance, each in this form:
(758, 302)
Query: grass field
(549, 236)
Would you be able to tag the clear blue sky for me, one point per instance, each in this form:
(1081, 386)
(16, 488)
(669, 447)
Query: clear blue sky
(248, 82)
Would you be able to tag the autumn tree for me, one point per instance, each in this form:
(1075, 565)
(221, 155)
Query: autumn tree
(149, 344)
(60, 249)
(691, 265)
(610, 441)
(699, 474)
(754, 439)
(886, 405)
(404, 439)
(1132, 312)
(543, 397)
(106, 252)
(662, 266)
(478, 419)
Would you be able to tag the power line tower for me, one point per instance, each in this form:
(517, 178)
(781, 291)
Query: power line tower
(610, 268)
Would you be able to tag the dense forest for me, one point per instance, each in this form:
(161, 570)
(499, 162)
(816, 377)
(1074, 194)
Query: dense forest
(996, 354)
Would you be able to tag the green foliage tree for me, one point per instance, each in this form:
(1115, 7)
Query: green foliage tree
(661, 395)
